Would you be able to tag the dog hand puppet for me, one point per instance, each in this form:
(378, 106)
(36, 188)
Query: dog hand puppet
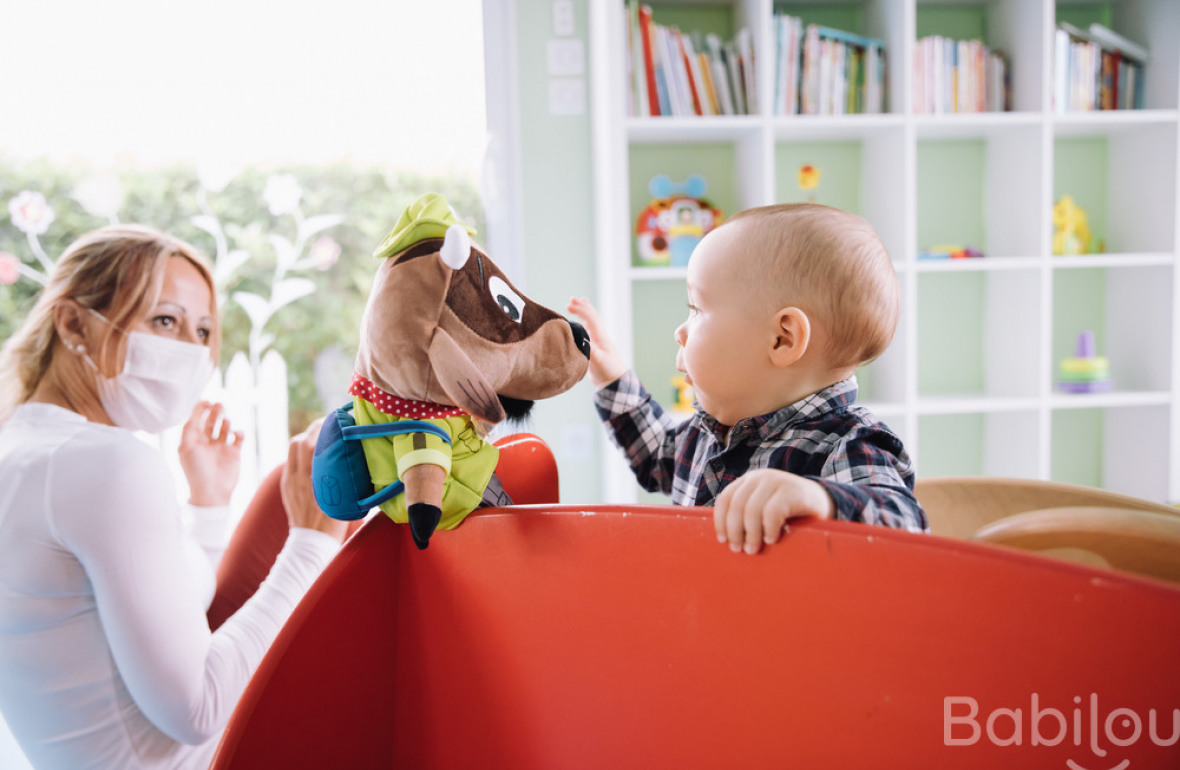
(449, 348)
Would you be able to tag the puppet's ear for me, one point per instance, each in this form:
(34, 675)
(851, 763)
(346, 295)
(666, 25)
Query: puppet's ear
(461, 379)
(456, 247)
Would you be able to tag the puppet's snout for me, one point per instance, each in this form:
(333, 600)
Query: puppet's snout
(581, 338)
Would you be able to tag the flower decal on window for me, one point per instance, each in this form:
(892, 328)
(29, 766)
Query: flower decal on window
(9, 268)
(101, 196)
(215, 175)
(30, 212)
(282, 194)
(324, 252)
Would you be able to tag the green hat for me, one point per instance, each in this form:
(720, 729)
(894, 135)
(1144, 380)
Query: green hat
(427, 217)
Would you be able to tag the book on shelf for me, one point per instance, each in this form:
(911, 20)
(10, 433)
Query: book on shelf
(675, 73)
(749, 70)
(1111, 40)
(719, 73)
(1096, 69)
(824, 71)
(959, 76)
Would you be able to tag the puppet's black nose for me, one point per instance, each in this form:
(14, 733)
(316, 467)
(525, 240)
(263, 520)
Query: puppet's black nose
(581, 338)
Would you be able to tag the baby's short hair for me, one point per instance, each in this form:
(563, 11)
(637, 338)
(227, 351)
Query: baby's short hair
(833, 266)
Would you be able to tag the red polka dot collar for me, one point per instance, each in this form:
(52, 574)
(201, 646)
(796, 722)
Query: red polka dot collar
(400, 407)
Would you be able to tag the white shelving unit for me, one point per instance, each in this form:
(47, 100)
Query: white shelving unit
(969, 381)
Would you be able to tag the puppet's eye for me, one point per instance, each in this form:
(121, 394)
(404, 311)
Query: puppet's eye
(508, 300)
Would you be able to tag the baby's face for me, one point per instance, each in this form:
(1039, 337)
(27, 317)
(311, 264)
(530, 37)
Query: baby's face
(723, 342)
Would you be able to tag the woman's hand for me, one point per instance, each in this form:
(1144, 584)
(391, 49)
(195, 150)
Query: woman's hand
(210, 455)
(296, 489)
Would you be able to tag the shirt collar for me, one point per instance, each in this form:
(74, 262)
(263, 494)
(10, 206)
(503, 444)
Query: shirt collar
(39, 410)
(832, 398)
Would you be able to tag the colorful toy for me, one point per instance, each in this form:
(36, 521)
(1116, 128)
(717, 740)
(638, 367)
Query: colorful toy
(682, 394)
(1071, 234)
(808, 177)
(670, 227)
(448, 347)
(1086, 372)
(950, 251)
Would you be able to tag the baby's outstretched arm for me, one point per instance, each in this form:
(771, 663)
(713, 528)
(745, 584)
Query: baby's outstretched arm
(606, 365)
(754, 509)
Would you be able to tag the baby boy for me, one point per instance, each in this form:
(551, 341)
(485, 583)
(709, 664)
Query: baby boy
(785, 302)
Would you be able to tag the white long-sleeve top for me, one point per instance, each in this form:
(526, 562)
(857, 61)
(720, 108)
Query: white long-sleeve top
(106, 658)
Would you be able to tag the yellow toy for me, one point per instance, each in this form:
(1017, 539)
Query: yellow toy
(684, 394)
(1071, 233)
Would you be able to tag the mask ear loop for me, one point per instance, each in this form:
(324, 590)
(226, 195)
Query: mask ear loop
(102, 318)
(80, 349)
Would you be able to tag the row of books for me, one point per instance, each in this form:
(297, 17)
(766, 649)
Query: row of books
(959, 76)
(825, 71)
(675, 73)
(1096, 69)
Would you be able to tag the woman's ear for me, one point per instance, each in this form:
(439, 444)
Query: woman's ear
(792, 336)
(71, 322)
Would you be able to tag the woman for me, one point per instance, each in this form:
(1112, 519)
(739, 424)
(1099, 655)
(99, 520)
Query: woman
(107, 659)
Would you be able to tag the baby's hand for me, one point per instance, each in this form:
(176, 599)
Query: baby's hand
(606, 365)
(755, 508)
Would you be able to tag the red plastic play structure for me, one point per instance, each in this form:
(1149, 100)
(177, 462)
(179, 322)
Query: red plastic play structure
(612, 637)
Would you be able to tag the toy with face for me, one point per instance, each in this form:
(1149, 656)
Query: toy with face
(447, 338)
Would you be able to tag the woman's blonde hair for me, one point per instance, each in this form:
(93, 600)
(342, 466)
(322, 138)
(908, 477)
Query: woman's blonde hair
(117, 271)
(833, 266)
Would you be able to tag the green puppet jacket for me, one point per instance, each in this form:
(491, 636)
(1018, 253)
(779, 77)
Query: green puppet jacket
(469, 461)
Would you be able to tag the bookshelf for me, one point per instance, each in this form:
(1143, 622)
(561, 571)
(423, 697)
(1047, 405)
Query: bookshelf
(970, 379)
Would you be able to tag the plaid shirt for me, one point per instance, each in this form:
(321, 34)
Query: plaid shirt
(823, 437)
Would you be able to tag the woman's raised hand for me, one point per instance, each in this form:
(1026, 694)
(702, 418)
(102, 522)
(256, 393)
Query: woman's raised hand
(210, 455)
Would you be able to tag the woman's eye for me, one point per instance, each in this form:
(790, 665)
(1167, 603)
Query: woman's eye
(165, 322)
(508, 300)
(204, 334)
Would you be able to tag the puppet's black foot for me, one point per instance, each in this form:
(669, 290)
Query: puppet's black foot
(424, 518)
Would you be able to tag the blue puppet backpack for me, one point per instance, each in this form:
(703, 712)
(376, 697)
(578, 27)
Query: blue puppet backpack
(339, 474)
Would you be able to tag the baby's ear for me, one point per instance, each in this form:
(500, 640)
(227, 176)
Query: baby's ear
(792, 335)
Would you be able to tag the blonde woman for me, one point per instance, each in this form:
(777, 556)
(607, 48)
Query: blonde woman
(107, 659)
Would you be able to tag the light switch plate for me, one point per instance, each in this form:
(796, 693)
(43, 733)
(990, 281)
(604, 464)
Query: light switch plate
(567, 96)
(563, 17)
(566, 57)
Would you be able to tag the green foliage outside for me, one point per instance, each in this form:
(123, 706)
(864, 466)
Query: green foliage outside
(366, 200)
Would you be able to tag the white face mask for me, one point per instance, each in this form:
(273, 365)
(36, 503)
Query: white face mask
(161, 382)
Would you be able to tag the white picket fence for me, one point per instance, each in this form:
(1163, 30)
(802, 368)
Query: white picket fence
(256, 404)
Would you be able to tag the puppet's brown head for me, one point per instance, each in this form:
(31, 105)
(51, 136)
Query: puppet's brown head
(443, 324)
